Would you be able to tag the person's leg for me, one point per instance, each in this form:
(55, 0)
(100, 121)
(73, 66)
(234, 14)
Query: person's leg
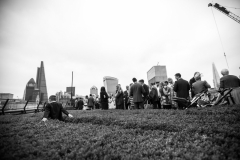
(155, 104)
(135, 105)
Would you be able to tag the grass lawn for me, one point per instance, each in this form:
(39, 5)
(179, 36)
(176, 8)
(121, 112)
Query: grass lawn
(206, 133)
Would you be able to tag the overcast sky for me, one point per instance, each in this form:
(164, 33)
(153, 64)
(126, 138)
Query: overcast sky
(118, 38)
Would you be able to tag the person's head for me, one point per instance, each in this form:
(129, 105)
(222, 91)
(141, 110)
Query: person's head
(177, 76)
(90, 95)
(127, 87)
(103, 89)
(52, 98)
(196, 73)
(225, 72)
(134, 80)
(86, 97)
(165, 83)
(141, 81)
(197, 76)
(170, 80)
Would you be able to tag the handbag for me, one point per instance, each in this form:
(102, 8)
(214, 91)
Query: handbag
(148, 106)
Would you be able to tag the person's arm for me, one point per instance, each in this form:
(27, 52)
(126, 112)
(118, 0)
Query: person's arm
(106, 95)
(131, 91)
(175, 87)
(65, 112)
(46, 112)
(143, 90)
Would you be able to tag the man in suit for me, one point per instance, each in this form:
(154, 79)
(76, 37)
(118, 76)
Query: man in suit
(90, 102)
(80, 104)
(137, 91)
(54, 110)
(181, 87)
(125, 96)
(191, 81)
(146, 89)
(230, 81)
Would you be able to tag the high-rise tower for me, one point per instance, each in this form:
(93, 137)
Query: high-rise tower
(41, 83)
(216, 77)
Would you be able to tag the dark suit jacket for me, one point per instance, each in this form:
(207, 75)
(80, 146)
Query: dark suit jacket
(137, 91)
(200, 86)
(119, 98)
(80, 104)
(229, 81)
(54, 110)
(146, 89)
(90, 101)
(182, 87)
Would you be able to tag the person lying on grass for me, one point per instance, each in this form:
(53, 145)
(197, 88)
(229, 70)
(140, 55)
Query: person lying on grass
(54, 110)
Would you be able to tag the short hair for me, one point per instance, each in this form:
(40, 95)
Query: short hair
(166, 82)
(134, 79)
(90, 95)
(196, 73)
(225, 72)
(141, 80)
(53, 98)
(178, 75)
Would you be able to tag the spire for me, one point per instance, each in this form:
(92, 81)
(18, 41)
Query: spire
(216, 77)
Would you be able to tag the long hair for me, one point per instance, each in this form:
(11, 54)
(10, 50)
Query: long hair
(103, 89)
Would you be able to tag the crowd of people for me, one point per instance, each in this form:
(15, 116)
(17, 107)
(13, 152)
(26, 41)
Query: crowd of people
(138, 95)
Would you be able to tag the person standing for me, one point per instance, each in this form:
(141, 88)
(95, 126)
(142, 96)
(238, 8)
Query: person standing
(125, 96)
(90, 102)
(80, 104)
(153, 96)
(119, 97)
(104, 98)
(146, 89)
(173, 94)
(54, 110)
(137, 91)
(181, 87)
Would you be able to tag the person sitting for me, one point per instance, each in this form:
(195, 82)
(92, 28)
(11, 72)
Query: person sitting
(54, 110)
(199, 85)
(230, 81)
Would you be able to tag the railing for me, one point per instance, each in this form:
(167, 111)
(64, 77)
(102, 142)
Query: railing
(16, 105)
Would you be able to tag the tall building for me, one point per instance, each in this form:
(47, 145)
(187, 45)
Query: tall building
(41, 83)
(110, 84)
(157, 74)
(216, 77)
(30, 87)
(37, 91)
(69, 90)
(94, 90)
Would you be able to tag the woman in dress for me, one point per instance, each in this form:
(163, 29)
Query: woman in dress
(173, 94)
(104, 98)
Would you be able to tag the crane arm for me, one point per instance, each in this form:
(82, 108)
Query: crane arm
(225, 11)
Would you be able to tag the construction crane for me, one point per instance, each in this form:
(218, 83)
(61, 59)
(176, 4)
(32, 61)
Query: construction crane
(225, 11)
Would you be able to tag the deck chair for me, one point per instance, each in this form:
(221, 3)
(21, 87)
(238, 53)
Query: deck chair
(225, 97)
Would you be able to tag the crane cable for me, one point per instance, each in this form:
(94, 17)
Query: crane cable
(220, 38)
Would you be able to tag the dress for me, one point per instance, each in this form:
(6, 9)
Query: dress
(111, 103)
